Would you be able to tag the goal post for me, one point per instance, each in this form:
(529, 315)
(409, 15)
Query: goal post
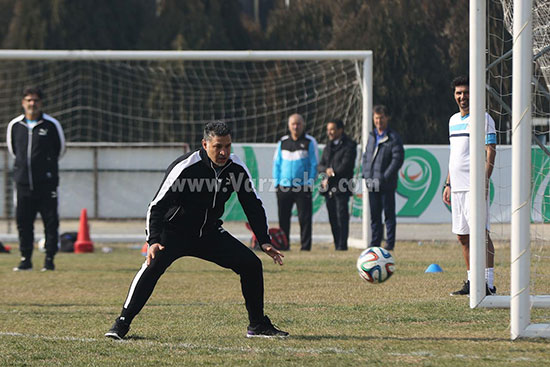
(167, 96)
(517, 83)
(477, 151)
(521, 167)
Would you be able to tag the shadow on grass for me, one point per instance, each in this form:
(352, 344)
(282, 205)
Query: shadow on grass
(138, 337)
(392, 338)
(46, 305)
(359, 338)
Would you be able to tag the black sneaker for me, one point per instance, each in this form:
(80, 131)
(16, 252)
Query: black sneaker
(490, 291)
(464, 291)
(265, 330)
(119, 330)
(24, 265)
(48, 264)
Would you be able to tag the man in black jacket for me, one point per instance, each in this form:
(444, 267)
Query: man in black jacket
(381, 162)
(36, 142)
(336, 168)
(184, 220)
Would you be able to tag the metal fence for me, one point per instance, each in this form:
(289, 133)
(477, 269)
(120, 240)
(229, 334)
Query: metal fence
(110, 180)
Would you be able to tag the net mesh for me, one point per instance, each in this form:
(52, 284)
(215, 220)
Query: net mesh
(160, 101)
(541, 33)
(499, 87)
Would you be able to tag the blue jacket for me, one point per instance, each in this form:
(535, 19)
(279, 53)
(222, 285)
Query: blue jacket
(382, 161)
(295, 161)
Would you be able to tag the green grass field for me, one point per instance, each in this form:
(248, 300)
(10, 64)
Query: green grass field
(196, 316)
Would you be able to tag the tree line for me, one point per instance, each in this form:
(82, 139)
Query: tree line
(419, 46)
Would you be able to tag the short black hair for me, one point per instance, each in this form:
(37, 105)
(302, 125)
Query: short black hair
(460, 81)
(33, 90)
(380, 109)
(216, 128)
(339, 123)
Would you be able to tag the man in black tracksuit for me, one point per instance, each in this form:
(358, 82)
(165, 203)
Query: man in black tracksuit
(36, 142)
(336, 167)
(184, 220)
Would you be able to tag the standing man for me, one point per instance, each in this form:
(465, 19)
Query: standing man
(184, 220)
(381, 162)
(36, 142)
(294, 171)
(458, 179)
(336, 168)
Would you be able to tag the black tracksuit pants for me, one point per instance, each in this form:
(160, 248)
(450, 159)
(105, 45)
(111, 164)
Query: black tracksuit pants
(338, 216)
(301, 195)
(217, 246)
(41, 200)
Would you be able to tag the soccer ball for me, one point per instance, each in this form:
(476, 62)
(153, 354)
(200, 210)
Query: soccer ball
(375, 265)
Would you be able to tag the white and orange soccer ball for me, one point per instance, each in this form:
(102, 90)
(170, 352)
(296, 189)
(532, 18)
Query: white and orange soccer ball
(375, 265)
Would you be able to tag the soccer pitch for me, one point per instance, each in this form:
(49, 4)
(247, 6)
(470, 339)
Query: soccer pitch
(196, 316)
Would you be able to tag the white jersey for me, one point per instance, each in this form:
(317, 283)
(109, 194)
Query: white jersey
(459, 139)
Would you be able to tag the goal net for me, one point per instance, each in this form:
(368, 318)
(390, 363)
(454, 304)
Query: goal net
(164, 101)
(499, 100)
(111, 99)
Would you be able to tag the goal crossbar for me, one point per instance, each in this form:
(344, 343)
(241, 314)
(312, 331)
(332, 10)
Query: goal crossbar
(182, 55)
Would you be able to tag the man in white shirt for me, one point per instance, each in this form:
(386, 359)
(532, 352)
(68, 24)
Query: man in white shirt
(458, 179)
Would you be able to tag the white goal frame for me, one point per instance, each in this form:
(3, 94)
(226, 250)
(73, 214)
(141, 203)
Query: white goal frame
(520, 301)
(363, 55)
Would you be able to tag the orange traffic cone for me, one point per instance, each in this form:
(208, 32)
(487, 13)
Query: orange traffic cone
(83, 243)
(144, 249)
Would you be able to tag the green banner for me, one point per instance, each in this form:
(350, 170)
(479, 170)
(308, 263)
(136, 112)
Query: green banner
(418, 181)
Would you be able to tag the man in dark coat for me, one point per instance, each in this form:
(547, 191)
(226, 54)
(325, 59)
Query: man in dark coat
(336, 168)
(381, 162)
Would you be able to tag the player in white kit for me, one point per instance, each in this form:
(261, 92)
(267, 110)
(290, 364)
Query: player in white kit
(458, 179)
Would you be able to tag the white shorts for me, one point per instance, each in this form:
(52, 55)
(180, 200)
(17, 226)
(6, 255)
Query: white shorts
(460, 209)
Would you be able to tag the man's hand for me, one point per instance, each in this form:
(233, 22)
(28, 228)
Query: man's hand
(330, 172)
(447, 195)
(275, 254)
(152, 251)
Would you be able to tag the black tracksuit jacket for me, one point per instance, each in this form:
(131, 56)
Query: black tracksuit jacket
(192, 197)
(341, 158)
(36, 151)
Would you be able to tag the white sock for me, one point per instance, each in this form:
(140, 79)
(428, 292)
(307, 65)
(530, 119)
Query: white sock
(490, 276)
(468, 275)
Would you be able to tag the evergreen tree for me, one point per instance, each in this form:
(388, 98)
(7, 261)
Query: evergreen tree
(418, 46)
(6, 14)
(29, 25)
(307, 25)
(411, 44)
(84, 24)
(196, 25)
